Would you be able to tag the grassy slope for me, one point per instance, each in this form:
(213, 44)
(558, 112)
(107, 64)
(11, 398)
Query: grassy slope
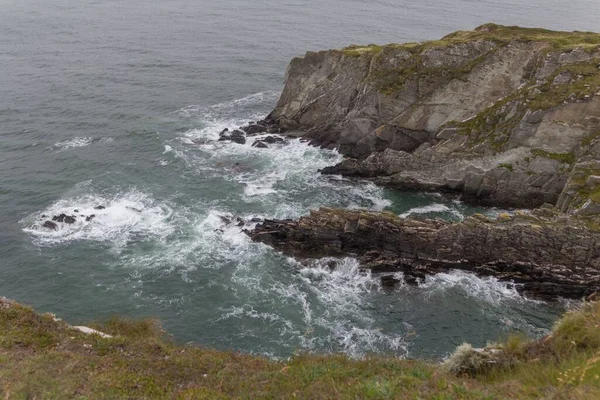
(42, 358)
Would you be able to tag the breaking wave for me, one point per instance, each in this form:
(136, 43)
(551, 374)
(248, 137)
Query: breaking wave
(184, 251)
(124, 217)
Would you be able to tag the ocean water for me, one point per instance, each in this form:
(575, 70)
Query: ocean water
(119, 104)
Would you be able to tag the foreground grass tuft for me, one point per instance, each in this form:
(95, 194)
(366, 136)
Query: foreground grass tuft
(41, 357)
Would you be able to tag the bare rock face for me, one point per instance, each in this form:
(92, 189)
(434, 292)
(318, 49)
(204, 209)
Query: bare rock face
(502, 115)
(546, 255)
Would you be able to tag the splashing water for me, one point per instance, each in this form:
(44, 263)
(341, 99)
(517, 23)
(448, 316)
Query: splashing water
(171, 245)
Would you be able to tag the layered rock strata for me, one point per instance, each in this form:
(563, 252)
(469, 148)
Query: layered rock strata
(503, 115)
(545, 255)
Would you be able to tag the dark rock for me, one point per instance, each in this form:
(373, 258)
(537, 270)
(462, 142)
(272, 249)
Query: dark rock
(99, 208)
(236, 136)
(76, 211)
(50, 225)
(254, 129)
(67, 219)
(239, 222)
(509, 248)
(225, 219)
(90, 217)
(266, 125)
(260, 144)
(389, 281)
(273, 139)
(256, 220)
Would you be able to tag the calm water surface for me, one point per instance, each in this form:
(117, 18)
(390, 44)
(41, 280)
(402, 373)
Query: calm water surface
(119, 103)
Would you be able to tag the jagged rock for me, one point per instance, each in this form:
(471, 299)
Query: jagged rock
(266, 125)
(461, 114)
(90, 217)
(546, 258)
(67, 219)
(389, 281)
(99, 208)
(236, 136)
(260, 144)
(273, 139)
(50, 225)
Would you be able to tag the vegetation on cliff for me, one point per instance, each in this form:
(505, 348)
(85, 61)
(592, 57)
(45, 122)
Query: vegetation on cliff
(41, 357)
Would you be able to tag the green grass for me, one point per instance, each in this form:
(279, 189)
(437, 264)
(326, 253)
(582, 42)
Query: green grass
(568, 158)
(45, 359)
(390, 81)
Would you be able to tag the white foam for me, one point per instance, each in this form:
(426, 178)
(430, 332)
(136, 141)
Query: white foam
(235, 106)
(125, 215)
(433, 208)
(488, 289)
(73, 143)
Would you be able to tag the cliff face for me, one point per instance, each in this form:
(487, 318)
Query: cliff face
(546, 253)
(504, 115)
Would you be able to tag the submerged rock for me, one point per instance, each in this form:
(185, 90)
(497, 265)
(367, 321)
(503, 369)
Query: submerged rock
(545, 258)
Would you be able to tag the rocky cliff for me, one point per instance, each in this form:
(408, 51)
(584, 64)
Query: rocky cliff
(546, 253)
(503, 115)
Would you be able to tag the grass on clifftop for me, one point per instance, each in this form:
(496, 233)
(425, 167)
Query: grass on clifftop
(45, 359)
(558, 40)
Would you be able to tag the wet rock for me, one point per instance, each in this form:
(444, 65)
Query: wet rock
(236, 136)
(266, 125)
(273, 139)
(388, 281)
(50, 225)
(76, 211)
(67, 219)
(99, 208)
(90, 217)
(260, 145)
(224, 219)
(545, 258)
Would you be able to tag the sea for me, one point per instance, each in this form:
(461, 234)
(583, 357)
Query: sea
(119, 104)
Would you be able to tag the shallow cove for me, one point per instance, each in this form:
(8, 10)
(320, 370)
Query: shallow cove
(102, 105)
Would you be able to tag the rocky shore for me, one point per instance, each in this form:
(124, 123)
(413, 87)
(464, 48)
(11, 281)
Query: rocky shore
(544, 255)
(501, 116)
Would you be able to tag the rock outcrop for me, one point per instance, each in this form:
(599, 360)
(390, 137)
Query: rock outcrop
(546, 254)
(503, 115)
